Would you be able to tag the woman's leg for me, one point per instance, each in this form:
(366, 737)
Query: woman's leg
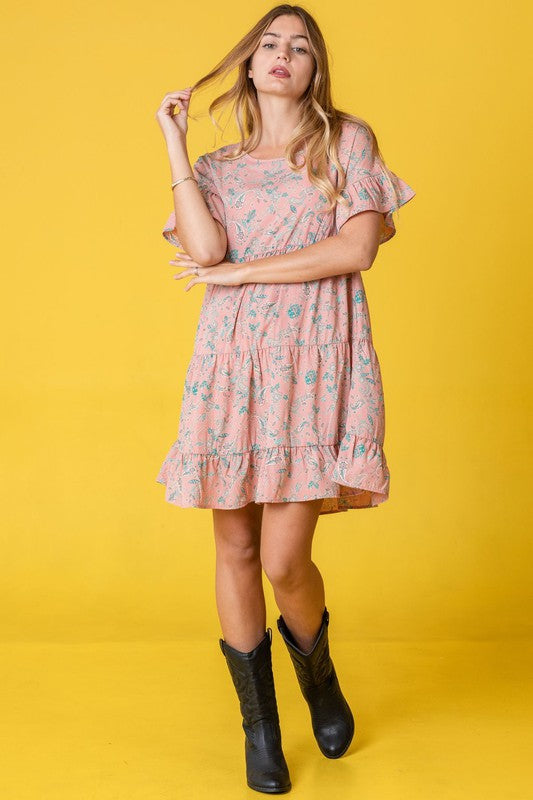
(286, 542)
(238, 579)
(247, 645)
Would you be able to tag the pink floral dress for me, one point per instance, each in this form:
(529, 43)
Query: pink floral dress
(283, 398)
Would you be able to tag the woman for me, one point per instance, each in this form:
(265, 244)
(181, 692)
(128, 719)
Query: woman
(282, 413)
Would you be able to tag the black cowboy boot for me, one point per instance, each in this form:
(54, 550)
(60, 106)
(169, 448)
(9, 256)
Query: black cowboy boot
(266, 768)
(331, 717)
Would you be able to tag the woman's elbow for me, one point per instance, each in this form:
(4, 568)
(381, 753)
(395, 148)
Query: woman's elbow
(210, 260)
(211, 257)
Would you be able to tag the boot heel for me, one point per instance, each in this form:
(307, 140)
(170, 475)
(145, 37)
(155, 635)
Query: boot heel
(266, 768)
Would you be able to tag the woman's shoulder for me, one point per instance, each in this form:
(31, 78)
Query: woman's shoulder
(220, 168)
(216, 156)
(355, 142)
(351, 130)
(350, 126)
(214, 160)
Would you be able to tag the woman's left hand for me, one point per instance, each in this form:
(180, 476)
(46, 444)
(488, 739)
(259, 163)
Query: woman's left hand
(225, 273)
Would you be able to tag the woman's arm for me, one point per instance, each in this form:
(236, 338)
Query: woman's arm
(353, 249)
(202, 237)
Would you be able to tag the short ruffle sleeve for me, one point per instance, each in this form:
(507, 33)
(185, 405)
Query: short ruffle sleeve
(203, 173)
(368, 187)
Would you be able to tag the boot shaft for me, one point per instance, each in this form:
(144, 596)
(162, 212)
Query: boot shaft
(253, 679)
(313, 668)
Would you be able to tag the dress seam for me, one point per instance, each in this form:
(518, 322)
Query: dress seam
(279, 346)
(278, 447)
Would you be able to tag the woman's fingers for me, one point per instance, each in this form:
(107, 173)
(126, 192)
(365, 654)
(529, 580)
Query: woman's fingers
(188, 262)
(173, 99)
(178, 93)
(187, 273)
(181, 94)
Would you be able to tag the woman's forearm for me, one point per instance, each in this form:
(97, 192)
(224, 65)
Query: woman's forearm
(197, 230)
(330, 256)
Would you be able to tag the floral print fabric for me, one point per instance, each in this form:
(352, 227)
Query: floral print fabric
(283, 398)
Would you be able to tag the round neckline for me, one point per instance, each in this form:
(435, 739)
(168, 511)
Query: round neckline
(259, 160)
(271, 160)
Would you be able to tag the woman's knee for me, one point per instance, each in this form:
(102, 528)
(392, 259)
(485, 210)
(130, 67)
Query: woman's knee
(286, 541)
(238, 534)
(284, 570)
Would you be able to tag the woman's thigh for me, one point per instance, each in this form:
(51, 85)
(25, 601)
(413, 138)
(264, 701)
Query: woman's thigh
(287, 537)
(238, 530)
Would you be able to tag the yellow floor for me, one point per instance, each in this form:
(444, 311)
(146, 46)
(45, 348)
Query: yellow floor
(132, 721)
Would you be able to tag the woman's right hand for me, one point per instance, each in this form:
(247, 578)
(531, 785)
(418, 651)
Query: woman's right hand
(169, 122)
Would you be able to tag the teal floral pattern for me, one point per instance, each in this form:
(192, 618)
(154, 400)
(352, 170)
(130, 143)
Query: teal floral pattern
(283, 397)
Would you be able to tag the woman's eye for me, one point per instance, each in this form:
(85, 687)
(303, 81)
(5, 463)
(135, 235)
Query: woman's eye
(271, 44)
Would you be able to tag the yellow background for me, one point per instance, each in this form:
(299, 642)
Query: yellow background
(97, 337)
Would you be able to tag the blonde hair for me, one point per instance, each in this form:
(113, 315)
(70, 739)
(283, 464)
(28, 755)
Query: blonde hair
(320, 123)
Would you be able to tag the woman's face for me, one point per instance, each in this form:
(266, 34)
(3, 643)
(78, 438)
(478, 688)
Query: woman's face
(284, 44)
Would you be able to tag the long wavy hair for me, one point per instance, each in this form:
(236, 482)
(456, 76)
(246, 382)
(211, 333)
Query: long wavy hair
(320, 124)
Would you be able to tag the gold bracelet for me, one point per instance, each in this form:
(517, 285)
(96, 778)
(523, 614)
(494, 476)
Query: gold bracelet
(188, 178)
